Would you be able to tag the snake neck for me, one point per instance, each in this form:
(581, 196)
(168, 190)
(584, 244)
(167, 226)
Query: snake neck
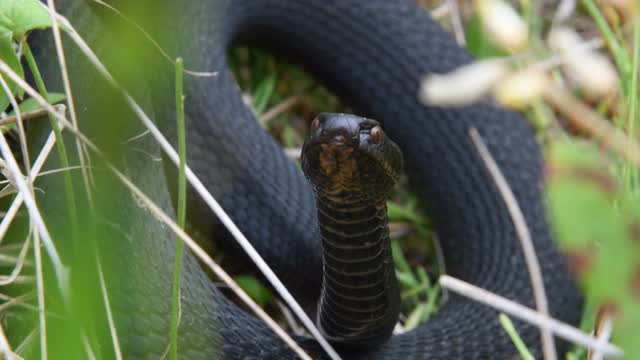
(359, 301)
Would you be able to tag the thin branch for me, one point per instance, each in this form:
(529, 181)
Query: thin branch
(19, 263)
(30, 203)
(34, 114)
(24, 280)
(290, 319)
(16, 301)
(522, 312)
(583, 117)
(17, 202)
(20, 125)
(5, 347)
(26, 343)
(293, 153)
(524, 235)
(603, 331)
(55, 28)
(11, 260)
(136, 137)
(154, 42)
(21, 303)
(41, 302)
(107, 305)
(456, 22)
(282, 106)
(564, 10)
(560, 59)
(442, 10)
(10, 215)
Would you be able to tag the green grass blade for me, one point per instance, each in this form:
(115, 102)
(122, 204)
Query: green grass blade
(630, 173)
(513, 334)
(182, 208)
(620, 56)
(399, 259)
(62, 150)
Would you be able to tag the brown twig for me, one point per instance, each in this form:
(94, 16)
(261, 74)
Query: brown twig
(529, 251)
(580, 115)
(512, 308)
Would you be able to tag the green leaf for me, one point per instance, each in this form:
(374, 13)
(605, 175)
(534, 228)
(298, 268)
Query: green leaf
(515, 338)
(597, 223)
(479, 43)
(31, 105)
(258, 292)
(399, 260)
(415, 317)
(20, 16)
(406, 279)
(263, 93)
(5, 23)
(8, 55)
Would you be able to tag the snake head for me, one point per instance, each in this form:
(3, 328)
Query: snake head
(352, 154)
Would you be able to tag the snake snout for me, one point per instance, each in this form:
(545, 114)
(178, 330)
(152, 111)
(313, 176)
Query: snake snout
(350, 153)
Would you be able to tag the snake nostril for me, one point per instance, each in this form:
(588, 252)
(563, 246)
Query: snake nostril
(376, 135)
(315, 124)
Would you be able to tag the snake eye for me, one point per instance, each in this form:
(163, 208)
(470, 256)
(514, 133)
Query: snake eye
(376, 135)
(315, 124)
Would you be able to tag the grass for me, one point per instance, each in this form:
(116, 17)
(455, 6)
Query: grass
(62, 149)
(517, 341)
(181, 211)
(270, 83)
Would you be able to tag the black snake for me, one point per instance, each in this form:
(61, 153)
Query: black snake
(372, 54)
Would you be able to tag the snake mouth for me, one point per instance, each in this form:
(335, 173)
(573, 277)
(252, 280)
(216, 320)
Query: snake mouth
(331, 160)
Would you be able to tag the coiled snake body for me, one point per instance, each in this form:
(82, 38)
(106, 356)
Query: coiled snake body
(372, 53)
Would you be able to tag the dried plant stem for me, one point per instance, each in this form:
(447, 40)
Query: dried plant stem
(28, 115)
(5, 347)
(21, 134)
(25, 189)
(456, 22)
(531, 316)
(283, 106)
(524, 235)
(16, 301)
(603, 332)
(55, 28)
(154, 42)
(19, 199)
(62, 149)
(40, 290)
(107, 306)
(19, 263)
(197, 250)
(583, 117)
(26, 342)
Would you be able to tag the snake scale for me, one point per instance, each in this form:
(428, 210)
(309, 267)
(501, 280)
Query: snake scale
(372, 54)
